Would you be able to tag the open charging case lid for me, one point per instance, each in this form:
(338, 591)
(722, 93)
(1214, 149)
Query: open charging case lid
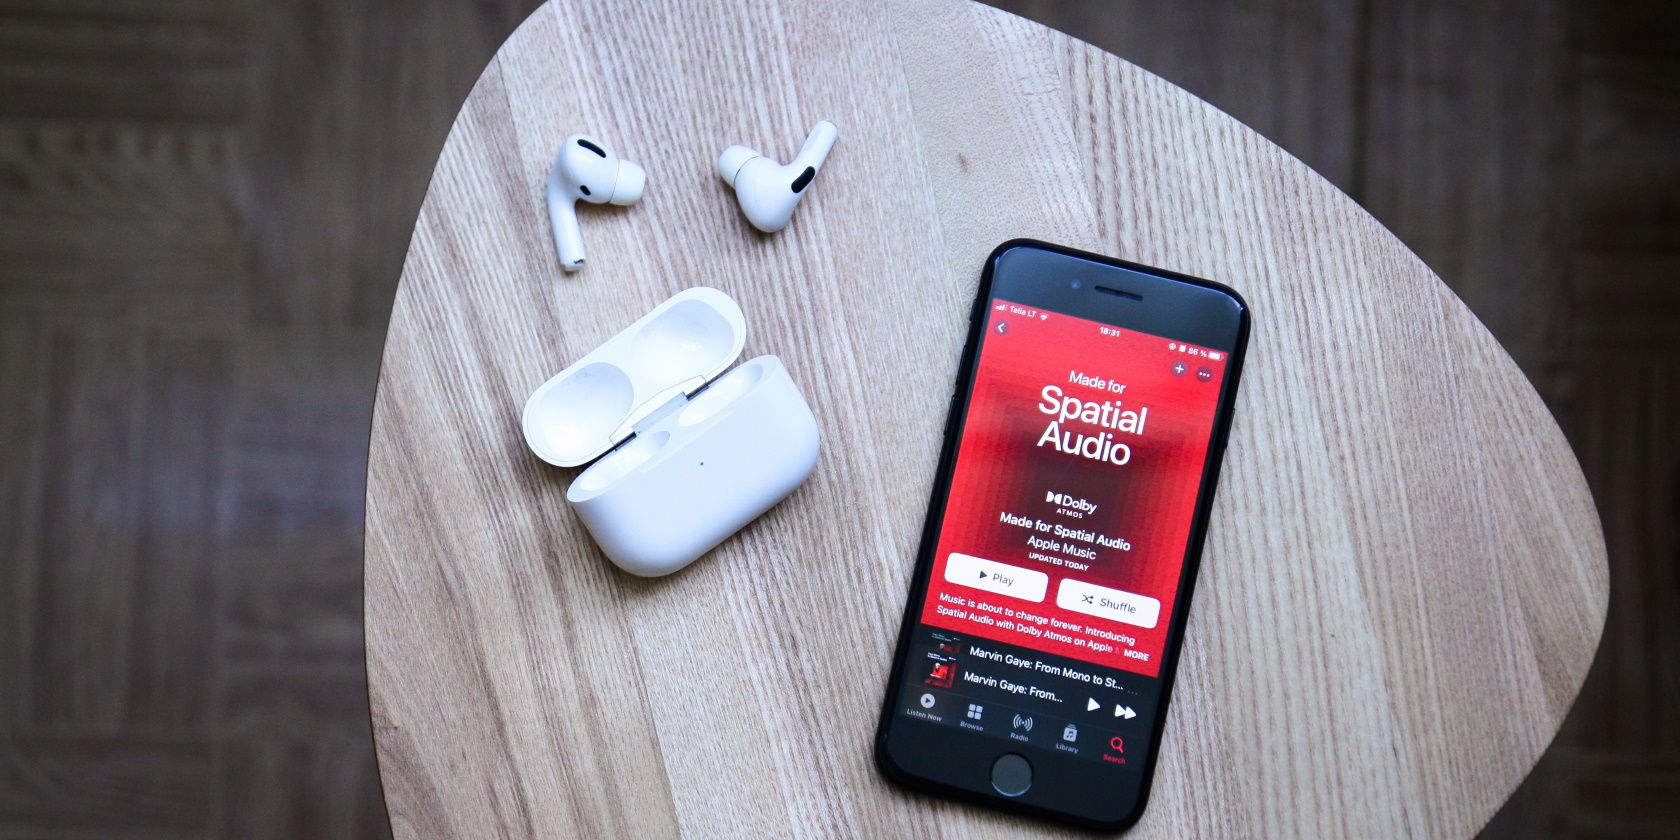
(673, 476)
(600, 400)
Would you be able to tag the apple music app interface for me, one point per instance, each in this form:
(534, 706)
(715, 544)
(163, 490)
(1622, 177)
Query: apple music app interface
(1064, 535)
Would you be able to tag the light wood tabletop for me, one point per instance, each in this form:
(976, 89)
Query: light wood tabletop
(1404, 581)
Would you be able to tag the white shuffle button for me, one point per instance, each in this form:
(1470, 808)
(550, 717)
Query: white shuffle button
(1114, 604)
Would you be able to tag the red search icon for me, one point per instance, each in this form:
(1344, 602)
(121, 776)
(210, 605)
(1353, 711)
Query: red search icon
(1117, 744)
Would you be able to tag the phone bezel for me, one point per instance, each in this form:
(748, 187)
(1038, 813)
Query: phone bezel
(1151, 300)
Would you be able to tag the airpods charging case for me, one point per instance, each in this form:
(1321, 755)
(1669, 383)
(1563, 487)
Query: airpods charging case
(681, 460)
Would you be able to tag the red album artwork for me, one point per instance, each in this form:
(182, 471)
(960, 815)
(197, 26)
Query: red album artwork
(941, 673)
(1074, 488)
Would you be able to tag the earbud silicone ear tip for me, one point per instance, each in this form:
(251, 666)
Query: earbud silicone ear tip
(730, 162)
(628, 188)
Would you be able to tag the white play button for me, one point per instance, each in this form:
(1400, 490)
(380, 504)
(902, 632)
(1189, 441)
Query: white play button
(992, 576)
(1091, 704)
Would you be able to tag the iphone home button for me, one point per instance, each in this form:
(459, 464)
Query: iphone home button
(1011, 775)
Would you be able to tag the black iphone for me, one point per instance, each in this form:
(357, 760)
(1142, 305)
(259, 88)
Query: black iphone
(1062, 541)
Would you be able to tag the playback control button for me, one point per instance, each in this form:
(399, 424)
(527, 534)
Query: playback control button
(992, 576)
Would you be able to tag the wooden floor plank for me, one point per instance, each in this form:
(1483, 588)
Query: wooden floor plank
(1463, 156)
(324, 786)
(77, 61)
(183, 440)
(23, 420)
(112, 226)
(82, 595)
(110, 787)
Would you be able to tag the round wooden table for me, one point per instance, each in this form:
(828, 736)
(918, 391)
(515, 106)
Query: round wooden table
(1405, 579)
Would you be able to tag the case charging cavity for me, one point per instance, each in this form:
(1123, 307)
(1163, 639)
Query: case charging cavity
(683, 453)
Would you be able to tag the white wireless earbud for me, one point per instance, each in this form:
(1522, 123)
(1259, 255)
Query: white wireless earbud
(586, 170)
(767, 190)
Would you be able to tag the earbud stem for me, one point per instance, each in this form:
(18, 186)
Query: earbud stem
(816, 147)
(562, 220)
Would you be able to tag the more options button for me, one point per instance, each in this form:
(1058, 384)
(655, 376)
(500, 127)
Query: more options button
(992, 576)
(1114, 604)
